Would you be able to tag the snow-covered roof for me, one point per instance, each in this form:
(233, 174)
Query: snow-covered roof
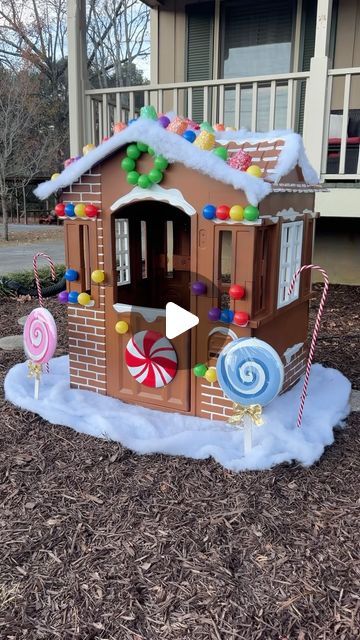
(176, 149)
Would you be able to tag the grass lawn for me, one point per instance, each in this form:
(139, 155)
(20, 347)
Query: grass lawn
(100, 543)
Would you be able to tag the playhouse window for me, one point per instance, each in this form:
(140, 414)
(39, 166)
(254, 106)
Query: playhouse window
(144, 258)
(122, 251)
(85, 257)
(290, 260)
(169, 249)
(225, 268)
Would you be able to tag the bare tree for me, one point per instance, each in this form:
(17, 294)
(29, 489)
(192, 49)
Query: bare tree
(25, 145)
(35, 31)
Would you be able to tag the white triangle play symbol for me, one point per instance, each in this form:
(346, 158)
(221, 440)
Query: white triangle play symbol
(178, 320)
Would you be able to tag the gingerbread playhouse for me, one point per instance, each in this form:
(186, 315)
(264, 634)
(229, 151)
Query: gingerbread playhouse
(156, 214)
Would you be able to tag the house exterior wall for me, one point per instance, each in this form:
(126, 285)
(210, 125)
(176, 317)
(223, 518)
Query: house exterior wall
(347, 51)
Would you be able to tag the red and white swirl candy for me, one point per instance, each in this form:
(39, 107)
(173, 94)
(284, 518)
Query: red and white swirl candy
(151, 359)
(40, 336)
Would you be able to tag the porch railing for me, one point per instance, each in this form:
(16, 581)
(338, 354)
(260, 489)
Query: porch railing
(341, 153)
(260, 102)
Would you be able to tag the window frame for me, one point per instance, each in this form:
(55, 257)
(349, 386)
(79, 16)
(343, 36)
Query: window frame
(120, 252)
(290, 259)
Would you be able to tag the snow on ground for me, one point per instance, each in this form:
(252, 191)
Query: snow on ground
(145, 430)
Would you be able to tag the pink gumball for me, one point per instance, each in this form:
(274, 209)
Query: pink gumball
(40, 336)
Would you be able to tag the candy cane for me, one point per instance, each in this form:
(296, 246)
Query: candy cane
(315, 332)
(37, 280)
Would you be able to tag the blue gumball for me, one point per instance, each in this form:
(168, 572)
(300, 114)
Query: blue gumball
(132, 120)
(70, 210)
(73, 297)
(71, 275)
(226, 315)
(189, 135)
(209, 211)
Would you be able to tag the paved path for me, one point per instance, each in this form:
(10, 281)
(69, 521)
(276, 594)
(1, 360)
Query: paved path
(19, 257)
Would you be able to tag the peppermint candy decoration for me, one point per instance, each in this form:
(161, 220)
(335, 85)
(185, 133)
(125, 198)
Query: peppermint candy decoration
(240, 160)
(151, 359)
(250, 371)
(40, 336)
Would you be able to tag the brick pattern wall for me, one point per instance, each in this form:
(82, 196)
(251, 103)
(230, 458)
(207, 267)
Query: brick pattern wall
(87, 352)
(294, 369)
(215, 406)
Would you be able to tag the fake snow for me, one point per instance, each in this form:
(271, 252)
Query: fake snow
(148, 431)
(176, 149)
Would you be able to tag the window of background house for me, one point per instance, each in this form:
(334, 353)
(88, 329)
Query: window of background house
(290, 261)
(122, 251)
(256, 40)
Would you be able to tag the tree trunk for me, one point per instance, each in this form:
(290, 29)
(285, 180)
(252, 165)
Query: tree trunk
(5, 218)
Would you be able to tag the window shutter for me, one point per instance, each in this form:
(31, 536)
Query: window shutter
(199, 63)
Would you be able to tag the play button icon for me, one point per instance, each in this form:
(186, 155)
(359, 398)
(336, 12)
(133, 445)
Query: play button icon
(178, 320)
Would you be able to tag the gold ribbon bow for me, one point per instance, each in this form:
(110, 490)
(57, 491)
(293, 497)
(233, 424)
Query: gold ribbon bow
(35, 370)
(254, 411)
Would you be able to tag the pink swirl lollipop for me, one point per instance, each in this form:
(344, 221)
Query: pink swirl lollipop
(40, 336)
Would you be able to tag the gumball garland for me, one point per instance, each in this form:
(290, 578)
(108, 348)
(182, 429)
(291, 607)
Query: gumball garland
(143, 180)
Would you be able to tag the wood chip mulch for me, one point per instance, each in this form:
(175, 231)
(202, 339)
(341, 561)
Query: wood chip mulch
(100, 543)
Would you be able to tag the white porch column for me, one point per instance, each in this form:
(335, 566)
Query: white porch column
(316, 91)
(77, 73)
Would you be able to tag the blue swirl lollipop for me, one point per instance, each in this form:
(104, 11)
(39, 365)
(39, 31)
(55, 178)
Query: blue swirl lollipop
(250, 371)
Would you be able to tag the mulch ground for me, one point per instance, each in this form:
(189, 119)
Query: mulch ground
(100, 543)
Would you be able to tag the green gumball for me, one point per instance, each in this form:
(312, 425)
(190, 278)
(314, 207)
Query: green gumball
(151, 151)
(142, 147)
(133, 152)
(128, 164)
(251, 213)
(206, 126)
(221, 152)
(155, 176)
(200, 370)
(148, 112)
(160, 163)
(144, 182)
(132, 177)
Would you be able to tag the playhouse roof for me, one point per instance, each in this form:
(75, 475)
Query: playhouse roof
(277, 152)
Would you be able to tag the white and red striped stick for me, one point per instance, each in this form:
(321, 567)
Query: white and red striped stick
(37, 280)
(315, 332)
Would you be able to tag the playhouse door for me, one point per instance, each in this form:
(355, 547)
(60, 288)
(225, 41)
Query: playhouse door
(152, 257)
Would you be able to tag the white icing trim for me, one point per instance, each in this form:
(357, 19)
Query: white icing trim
(225, 331)
(291, 351)
(250, 223)
(148, 313)
(172, 196)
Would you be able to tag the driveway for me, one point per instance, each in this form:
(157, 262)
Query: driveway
(18, 257)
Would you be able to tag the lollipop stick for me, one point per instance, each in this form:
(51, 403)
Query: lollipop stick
(36, 388)
(247, 434)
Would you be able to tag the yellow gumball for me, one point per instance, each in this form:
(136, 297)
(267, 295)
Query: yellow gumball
(87, 148)
(84, 299)
(97, 275)
(210, 375)
(254, 170)
(80, 210)
(121, 327)
(236, 212)
(54, 176)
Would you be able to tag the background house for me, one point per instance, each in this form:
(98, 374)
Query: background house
(285, 64)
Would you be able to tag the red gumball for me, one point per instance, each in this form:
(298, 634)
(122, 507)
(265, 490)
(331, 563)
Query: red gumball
(91, 211)
(236, 292)
(222, 212)
(60, 209)
(241, 318)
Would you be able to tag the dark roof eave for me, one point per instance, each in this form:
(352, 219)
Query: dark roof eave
(154, 3)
